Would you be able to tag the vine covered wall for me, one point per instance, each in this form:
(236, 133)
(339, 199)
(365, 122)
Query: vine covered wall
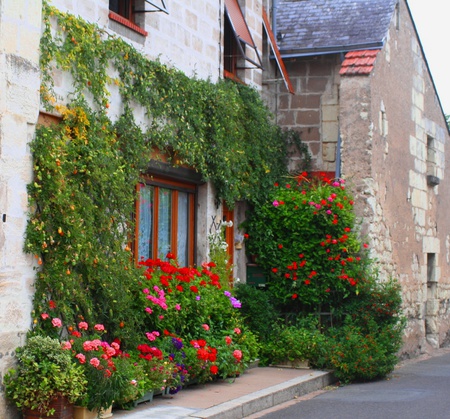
(82, 196)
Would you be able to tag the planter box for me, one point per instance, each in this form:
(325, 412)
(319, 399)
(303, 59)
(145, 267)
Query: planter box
(146, 398)
(298, 363)
(84, 413)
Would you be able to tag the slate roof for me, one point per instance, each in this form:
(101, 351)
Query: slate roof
(310, 27)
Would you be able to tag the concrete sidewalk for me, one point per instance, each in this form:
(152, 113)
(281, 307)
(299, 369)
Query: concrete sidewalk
(255, 390)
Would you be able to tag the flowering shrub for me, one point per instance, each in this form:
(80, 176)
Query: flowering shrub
(181, 299)
(111, 374)
(304, 236)
(198, 318)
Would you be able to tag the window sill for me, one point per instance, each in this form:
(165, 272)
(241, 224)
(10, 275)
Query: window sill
(232, 76)
(125, 22)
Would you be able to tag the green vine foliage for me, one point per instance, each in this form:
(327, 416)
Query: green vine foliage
(82, 197)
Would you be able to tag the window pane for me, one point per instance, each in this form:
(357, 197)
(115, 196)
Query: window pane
(183, 228)
(145, 222)
(164, 222)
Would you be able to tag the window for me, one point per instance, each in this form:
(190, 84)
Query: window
(128, 13)
(123, 8)
(165, 220)
(432, 178)
(238, 42)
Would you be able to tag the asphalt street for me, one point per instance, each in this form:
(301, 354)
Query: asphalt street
(415, 390)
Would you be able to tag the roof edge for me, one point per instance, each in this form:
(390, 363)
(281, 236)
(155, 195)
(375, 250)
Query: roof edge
(338, 49)
(428, 67)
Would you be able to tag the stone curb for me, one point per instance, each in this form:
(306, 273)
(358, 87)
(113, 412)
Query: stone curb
(269, 397)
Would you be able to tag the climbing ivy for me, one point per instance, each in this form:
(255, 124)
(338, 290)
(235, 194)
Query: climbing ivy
(82, 196)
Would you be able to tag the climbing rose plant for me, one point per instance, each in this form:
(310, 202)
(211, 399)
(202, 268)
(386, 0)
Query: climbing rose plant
(305, 238)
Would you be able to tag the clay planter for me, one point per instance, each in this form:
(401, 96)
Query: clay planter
(63, 410)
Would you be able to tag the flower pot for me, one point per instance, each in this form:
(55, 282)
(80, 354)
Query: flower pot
(63, 410)
(80, 412)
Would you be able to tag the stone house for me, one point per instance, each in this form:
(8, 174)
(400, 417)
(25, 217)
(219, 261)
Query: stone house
(207, 39)
(366, 104)
(390, 147)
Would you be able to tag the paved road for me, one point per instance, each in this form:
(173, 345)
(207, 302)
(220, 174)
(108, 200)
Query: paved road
(417, 390)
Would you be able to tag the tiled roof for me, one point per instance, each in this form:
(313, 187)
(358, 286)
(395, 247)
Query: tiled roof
(309, 27)
(359, 62)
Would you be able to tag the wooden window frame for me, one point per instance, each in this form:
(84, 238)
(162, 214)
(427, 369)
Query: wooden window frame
(175, 187)
(126, 16)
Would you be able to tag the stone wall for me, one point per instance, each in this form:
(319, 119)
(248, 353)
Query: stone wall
(313, 110)
(20, 25)
(387, 120)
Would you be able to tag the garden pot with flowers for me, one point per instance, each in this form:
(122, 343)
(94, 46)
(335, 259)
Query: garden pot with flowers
(46, 381)
(111, 374)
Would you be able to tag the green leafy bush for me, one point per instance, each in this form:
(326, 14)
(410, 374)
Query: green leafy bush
(44, 372)
(257, 310)
(294, 343)
(359, 353)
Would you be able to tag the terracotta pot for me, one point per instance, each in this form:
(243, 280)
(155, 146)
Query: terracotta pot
(63, 410)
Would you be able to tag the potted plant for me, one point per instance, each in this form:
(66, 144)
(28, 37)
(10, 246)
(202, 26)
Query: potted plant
(110, 373)
(46, 381)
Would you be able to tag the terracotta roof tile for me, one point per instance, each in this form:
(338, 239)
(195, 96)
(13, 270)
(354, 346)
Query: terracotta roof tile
(359, 62)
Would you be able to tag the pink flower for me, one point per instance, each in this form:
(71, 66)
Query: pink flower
(56, 322)
(99, 327)
(44, 316)
(152, 336)
(66, 345)
(177, 307)
(205, 326)
(227, 340)
(83, 326)
(237, 354)
(110, 351)
(237, 331)
(81, 358)
(95, 362)
(275, 203)
(148, 310)
(145, 291)
(115, 345)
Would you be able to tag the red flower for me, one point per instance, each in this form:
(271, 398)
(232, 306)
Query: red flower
(307, 281)
(280, 246)
(170, 256)
(213, 369)
(294, 296)
(179, 288)
(52, 304)
(274, 270)
(194, 289)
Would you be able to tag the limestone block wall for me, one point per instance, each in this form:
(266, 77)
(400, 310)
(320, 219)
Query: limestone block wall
(313, 110)
(387, 122)
(20, 26)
